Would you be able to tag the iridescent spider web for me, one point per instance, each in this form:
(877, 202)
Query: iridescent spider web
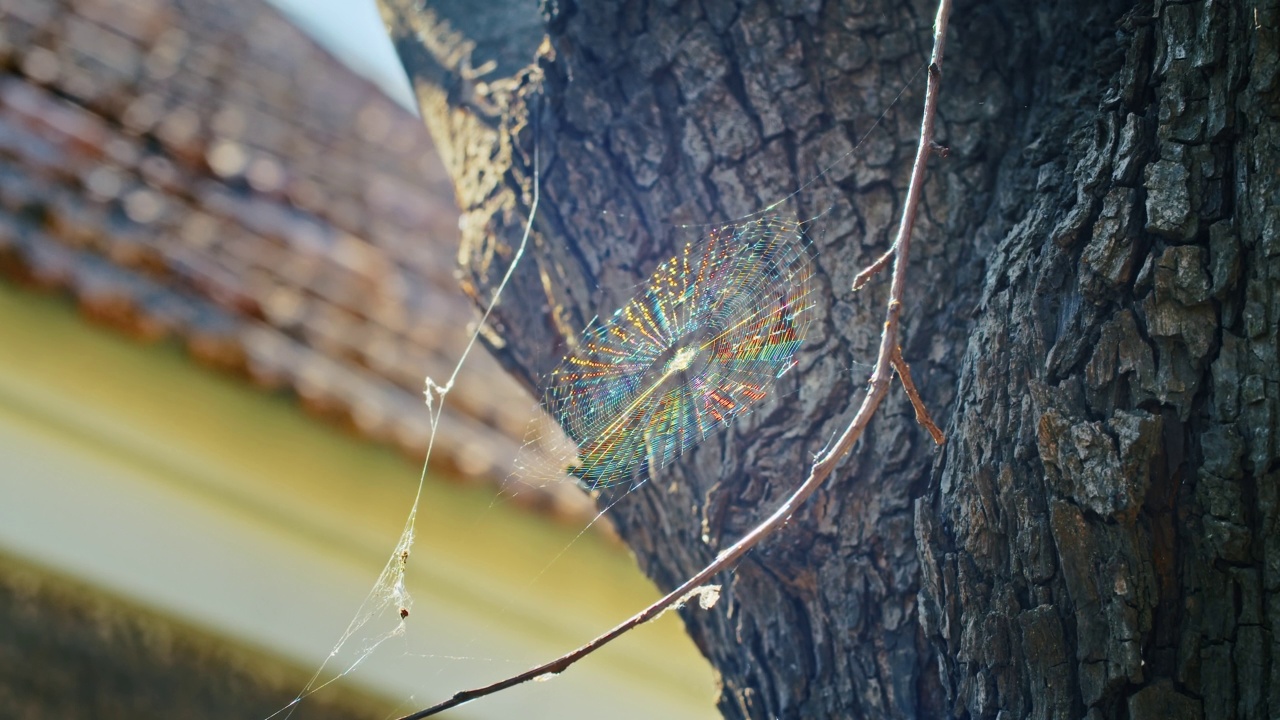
(612, 415)
(700, 344)
(713, 329)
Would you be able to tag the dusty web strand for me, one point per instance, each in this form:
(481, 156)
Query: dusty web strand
(389, 596)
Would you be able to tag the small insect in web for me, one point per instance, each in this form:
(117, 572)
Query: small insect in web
(700, 344)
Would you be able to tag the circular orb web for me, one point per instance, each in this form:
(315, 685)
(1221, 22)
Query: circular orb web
(702, 342)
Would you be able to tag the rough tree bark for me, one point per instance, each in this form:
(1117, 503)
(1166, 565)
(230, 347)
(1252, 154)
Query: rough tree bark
(1095, 311)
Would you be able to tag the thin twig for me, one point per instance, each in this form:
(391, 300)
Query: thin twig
(922, 413)
(870, 271)
(822, 468)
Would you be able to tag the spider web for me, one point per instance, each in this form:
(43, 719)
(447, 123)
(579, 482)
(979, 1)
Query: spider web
(389, 602)
(700, 344)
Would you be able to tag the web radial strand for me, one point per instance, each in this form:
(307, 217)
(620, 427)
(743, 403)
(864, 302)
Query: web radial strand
(700, 344)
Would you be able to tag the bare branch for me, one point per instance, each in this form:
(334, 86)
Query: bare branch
(887, 360)
(922, 413)
(870, 271)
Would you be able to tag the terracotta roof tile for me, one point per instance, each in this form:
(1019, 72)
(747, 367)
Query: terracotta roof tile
(202, 170)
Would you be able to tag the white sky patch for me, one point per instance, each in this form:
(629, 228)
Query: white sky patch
(353, 31)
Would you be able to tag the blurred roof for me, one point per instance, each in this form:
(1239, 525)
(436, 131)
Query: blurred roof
(203, 170)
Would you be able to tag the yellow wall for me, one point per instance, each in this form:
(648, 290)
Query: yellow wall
(133, 468)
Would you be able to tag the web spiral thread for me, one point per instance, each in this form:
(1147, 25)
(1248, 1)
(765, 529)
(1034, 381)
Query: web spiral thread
(700, 344)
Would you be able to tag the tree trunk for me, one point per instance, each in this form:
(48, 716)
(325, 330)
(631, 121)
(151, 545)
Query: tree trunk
(1102, 538)
(1093, 315)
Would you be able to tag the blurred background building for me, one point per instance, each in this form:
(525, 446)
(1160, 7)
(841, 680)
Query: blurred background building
(209, 183)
